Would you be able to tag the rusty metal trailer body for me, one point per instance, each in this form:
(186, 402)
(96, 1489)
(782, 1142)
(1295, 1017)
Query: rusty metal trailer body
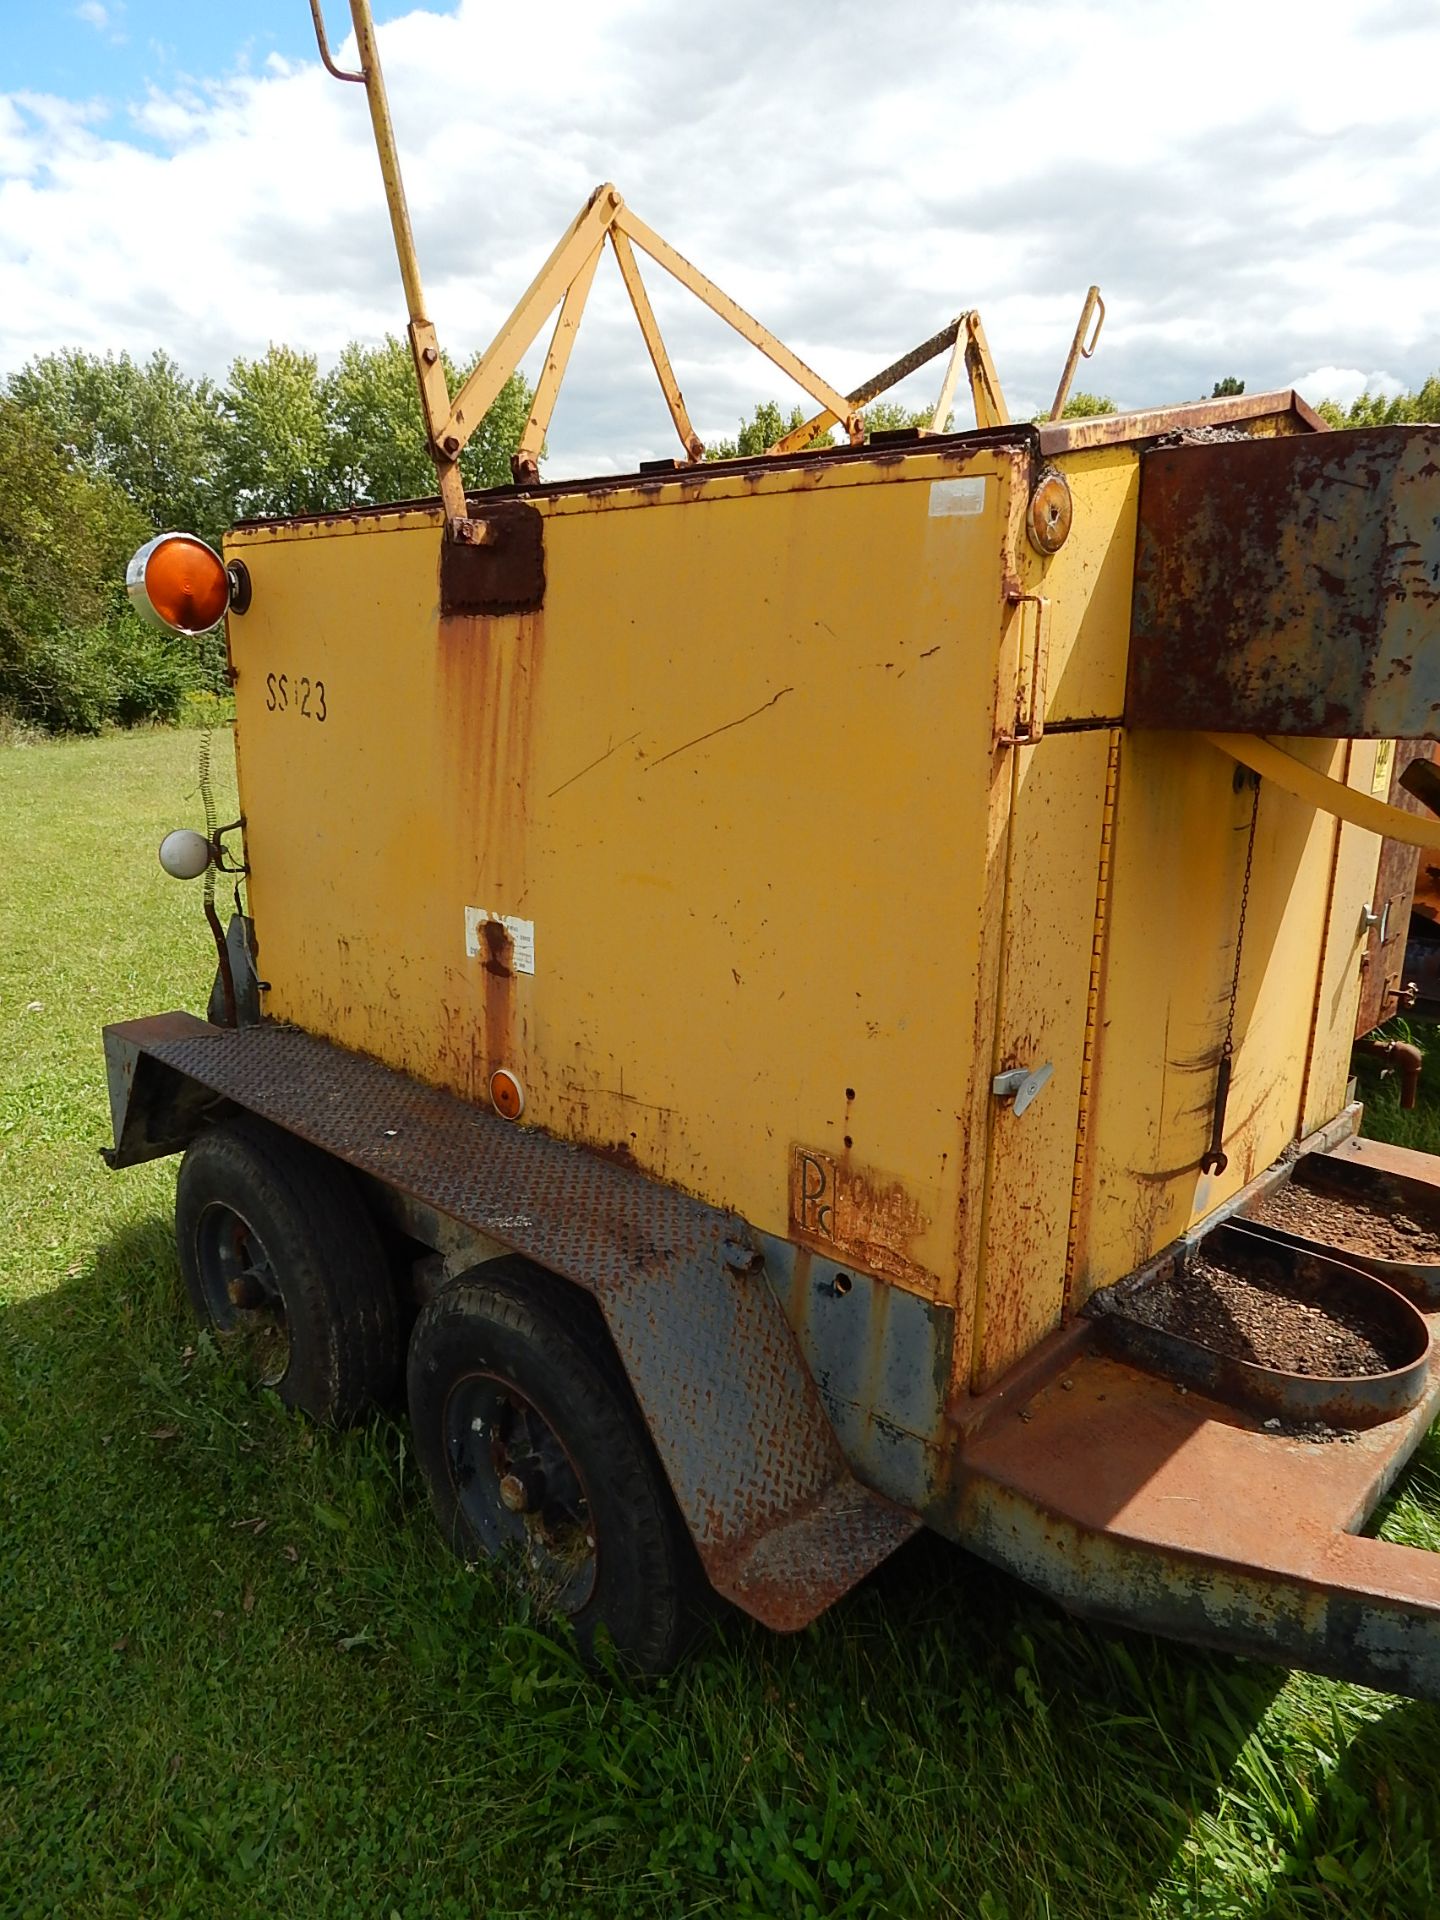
(845, 912)
(791, 809)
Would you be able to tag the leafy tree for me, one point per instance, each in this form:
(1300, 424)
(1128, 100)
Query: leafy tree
(889, 416)
(1082, 406)
(377, 448)
(1087, 406)
(1223, 389)
(766, 425)
(769, 423)
(72, 655)
(276, 449)
(299, 443)
(1374, 410)
(486, 460)
(145, 425)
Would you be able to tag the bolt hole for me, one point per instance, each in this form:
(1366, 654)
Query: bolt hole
(849, 1093)
(841, 1285)
(848, 1141)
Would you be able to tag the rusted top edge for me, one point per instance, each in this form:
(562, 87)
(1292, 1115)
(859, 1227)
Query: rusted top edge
(1061, 436)
(1107, 429)
(1019, 434)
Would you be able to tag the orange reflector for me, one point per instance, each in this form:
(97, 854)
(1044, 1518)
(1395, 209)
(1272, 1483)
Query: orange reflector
(178, 583)
(1051, 512)
(506, 1094)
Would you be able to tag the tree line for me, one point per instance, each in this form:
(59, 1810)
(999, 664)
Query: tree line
(100, 451)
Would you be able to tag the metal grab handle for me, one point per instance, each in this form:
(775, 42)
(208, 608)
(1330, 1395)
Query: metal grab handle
(1087, 353)
(1078, 350)
(324, 46)
(1030, 728)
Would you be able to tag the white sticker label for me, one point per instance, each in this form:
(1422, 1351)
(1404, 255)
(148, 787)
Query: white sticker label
(957, 496)
(518, 951)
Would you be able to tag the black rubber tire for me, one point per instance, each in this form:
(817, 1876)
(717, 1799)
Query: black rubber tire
(511, 1322)
(328, 1267)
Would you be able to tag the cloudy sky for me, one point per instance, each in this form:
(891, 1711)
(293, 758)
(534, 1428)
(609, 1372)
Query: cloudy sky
(1252, 184)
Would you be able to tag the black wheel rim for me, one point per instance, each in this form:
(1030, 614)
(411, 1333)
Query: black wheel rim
(243, 1294)
(519, 1492)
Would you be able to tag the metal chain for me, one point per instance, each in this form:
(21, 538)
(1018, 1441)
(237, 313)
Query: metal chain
(1229, 1047)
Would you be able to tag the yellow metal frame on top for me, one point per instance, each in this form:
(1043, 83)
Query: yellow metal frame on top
(565, 281)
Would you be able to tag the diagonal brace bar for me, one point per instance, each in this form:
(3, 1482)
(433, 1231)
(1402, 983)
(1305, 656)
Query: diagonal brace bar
(645, 314)
(878, 383)
(745, 324)
(540, 298)
(525, 462)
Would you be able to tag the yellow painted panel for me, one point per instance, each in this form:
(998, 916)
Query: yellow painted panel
(1054, 850)
(1180, 854)
(1356, 860)
(1088, 584)
(739, 776)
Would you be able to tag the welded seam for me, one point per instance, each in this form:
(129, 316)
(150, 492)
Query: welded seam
(1326, 934)
(1099, 930)
(997, 1048)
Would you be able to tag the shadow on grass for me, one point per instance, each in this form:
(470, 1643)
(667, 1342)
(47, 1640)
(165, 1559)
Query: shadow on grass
(248, 1633)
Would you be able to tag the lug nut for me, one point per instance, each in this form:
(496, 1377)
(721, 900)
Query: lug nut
(513, 1493)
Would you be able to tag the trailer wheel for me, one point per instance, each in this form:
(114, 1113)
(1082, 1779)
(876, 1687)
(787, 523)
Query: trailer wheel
(537, 1459)
(282, 1262)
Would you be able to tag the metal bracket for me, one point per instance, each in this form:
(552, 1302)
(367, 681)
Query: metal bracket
(1319, 790)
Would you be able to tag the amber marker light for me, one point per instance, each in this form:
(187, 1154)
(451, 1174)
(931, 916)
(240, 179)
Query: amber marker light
(507, 1096)
(178, 584)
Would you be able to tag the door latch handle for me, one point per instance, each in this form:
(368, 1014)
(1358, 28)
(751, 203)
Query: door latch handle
(1021, 1084)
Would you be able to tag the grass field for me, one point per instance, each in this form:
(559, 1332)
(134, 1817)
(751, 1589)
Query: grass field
(240, 1675)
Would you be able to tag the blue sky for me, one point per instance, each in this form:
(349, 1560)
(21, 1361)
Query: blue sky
(112, 50)
(1251, 185)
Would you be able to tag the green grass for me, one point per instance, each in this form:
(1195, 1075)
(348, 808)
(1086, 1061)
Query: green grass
(239, 1674)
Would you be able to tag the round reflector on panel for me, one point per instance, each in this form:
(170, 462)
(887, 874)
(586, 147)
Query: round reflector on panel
(178, 584)
(506, 1094)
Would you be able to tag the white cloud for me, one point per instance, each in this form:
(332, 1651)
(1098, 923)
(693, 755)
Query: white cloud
(104, 19)
(1344, 384)
(851, 183)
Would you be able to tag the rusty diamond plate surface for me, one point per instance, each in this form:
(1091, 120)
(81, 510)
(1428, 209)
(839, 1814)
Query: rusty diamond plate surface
(781, 1524)
(845, 1531)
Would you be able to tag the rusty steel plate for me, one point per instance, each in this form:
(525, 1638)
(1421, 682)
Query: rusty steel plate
(736, 1417)
(1289, 586)
(502, 568)
(1128, 1498)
